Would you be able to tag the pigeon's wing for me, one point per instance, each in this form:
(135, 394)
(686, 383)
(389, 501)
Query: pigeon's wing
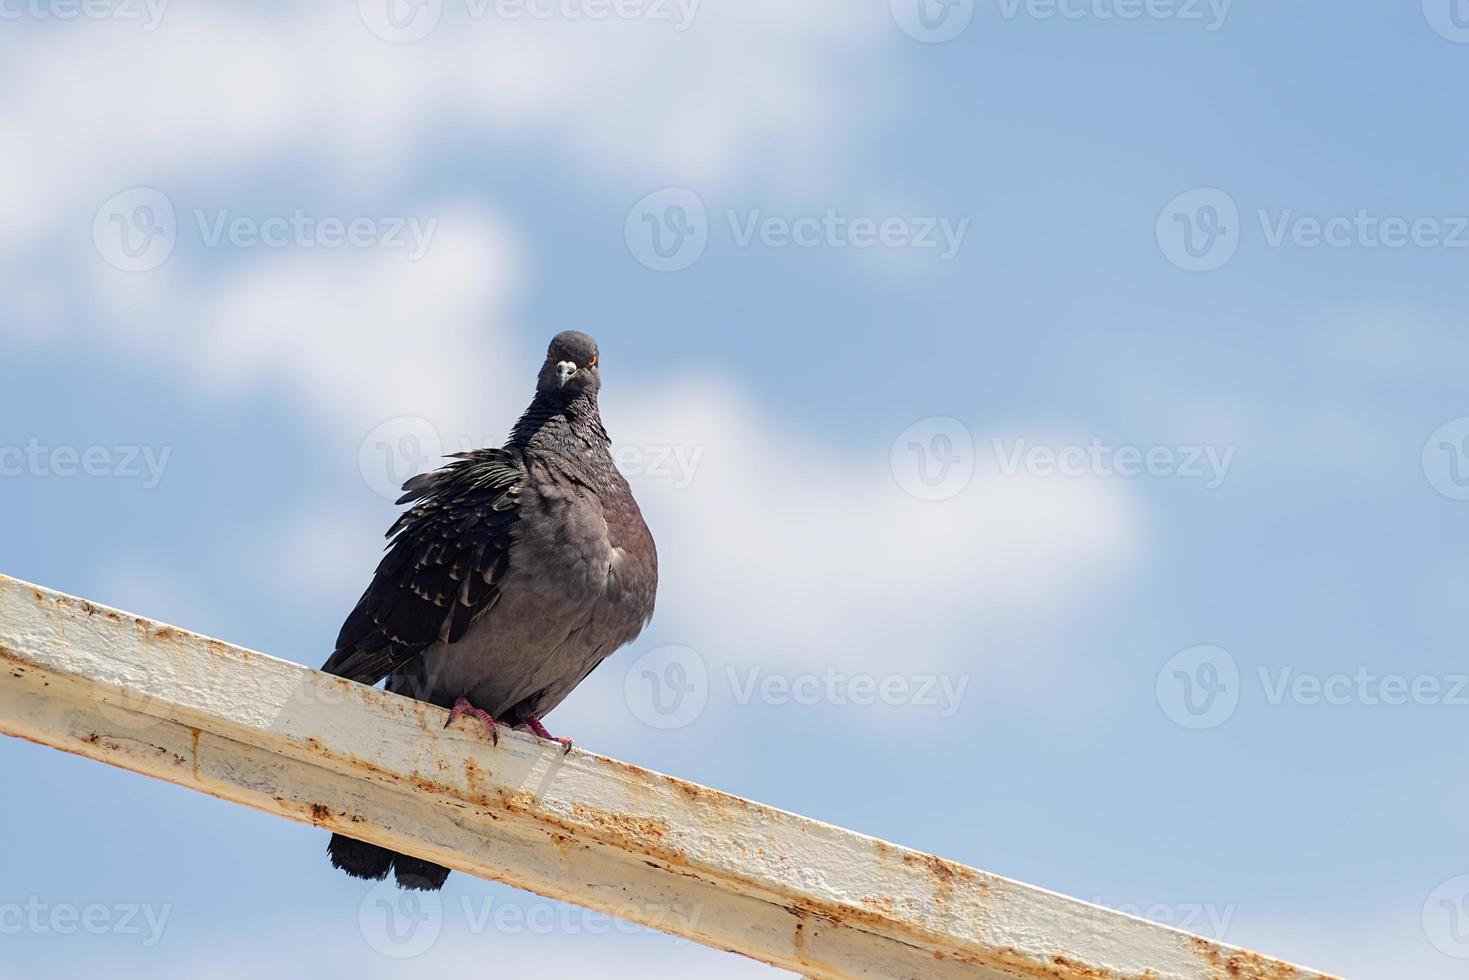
(446, 559)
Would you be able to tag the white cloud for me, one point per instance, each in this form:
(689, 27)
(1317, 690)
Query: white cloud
(782, 546)
(218, 90)
(359, 335)
(370, 333)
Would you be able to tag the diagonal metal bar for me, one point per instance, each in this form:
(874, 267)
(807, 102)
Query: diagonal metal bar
(695, 862)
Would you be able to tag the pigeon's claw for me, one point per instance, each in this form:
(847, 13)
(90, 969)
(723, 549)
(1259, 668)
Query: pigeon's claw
(539, 730)
(462, 707)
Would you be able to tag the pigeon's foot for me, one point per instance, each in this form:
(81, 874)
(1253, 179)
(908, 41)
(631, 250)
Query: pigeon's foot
(539, 730)
(462, 707)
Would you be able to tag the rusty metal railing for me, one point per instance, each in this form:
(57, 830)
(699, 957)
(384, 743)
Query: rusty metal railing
(695, 862)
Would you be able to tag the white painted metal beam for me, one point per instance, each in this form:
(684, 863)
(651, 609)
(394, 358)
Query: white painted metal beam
(691, 861)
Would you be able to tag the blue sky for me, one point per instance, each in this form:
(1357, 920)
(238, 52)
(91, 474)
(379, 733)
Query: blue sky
(1221, 689)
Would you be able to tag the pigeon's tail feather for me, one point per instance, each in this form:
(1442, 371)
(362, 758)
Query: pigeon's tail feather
(416, 874)
(359, 858)
(363, 860)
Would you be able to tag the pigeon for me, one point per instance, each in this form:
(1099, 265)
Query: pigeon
(513, 574)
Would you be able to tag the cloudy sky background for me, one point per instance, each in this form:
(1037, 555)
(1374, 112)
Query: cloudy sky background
(822, 432)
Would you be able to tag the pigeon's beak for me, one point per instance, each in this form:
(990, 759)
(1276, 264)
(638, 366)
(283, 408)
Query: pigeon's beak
(565, 371)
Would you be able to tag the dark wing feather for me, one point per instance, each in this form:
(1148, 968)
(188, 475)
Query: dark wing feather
(446, 558)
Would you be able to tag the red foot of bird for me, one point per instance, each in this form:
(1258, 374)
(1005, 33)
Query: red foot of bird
(539, 730)
(462, 707)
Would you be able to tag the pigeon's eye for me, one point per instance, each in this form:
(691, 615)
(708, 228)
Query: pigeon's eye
(593, 362)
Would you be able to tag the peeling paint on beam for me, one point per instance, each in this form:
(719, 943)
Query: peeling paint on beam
(691, 861)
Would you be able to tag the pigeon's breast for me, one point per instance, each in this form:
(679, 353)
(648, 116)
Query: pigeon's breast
(579, 584)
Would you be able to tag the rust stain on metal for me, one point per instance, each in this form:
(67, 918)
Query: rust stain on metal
(1072, 969)
(882, 905)
(645, 832)
(1238, 964)
(472, 776)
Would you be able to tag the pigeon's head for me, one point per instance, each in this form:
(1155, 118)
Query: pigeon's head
(571, 365)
